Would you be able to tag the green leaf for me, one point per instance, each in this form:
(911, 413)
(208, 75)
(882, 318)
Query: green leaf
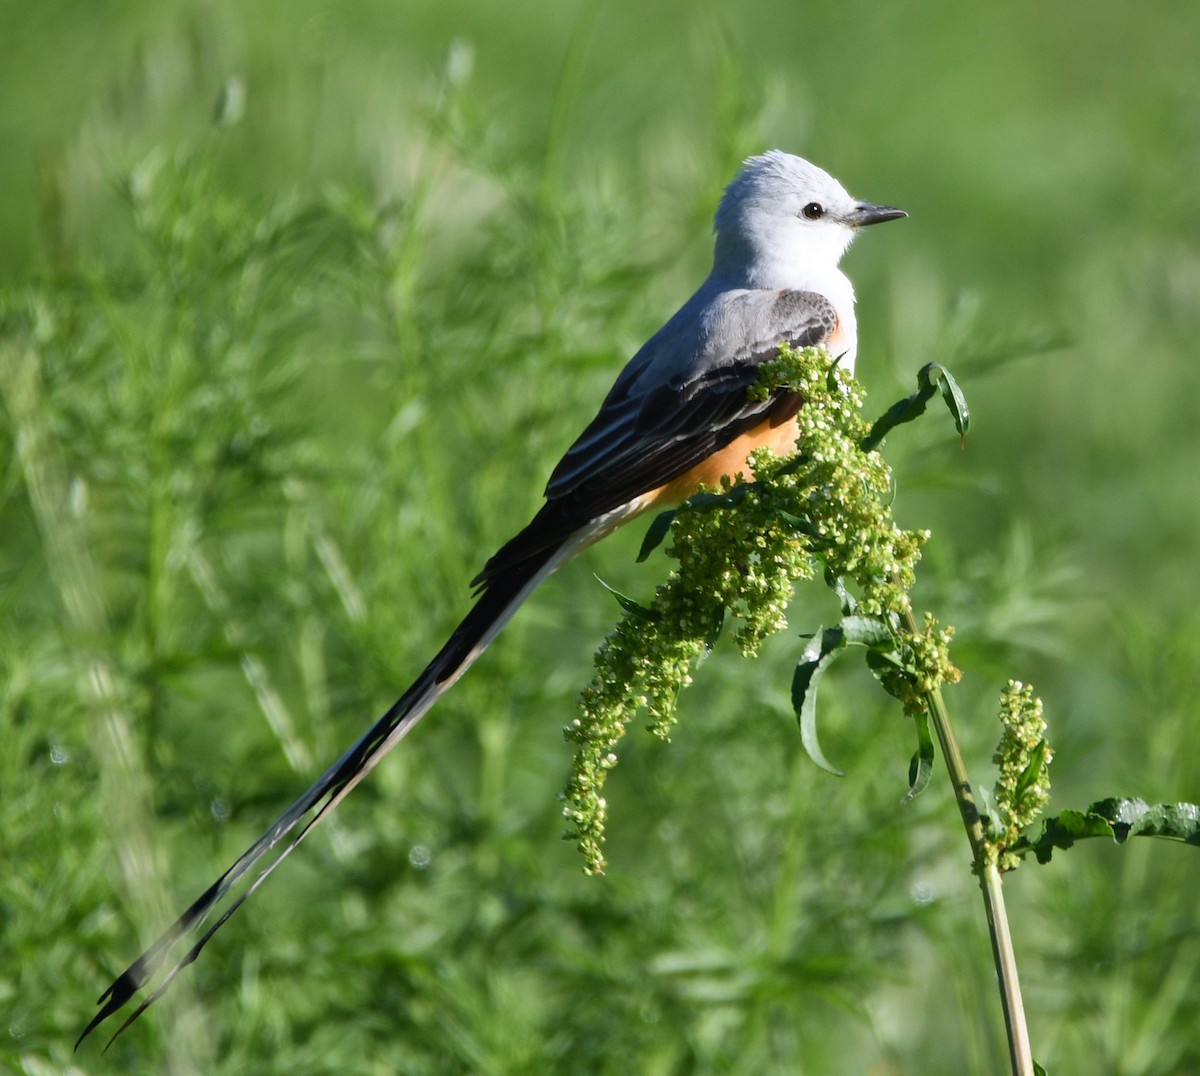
(1031, 773)
(933, 377)
(903, 411)
(920, 769)
(1119, 819)
(878, 638)
(655, 534)
(1137, 818)
(817, 657)
(847, 600)
(955, 400)
(714, 632)
(883, 661)
(707, 502)
(796, 464)
(801, 526)
(867, 631)
(628, 604)
(1062, 831)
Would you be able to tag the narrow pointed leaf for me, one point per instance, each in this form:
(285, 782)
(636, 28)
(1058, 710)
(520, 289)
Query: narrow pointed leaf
(847, 600)
(903, 411)
(797, 463)
(655, 534)
(707, 502)
(801, 526)
(714, 632)
(920, 769)
(628, 604)
(932, 378)
(817, 657)
(953, 395)
(1032, 772)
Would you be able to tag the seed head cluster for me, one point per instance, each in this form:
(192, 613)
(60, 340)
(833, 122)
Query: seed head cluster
(1022, 789)
(739, 554)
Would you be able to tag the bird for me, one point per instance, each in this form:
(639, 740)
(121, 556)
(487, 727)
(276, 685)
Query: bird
(678, 417)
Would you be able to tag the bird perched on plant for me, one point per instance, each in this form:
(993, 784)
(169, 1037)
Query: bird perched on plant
(680, 415)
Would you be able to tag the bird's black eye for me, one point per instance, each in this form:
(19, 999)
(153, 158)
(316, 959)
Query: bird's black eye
(813, 211)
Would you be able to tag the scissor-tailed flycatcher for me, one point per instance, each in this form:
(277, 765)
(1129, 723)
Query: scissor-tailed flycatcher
(679, 415)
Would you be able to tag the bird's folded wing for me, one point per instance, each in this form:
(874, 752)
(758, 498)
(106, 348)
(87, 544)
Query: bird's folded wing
(684, 397)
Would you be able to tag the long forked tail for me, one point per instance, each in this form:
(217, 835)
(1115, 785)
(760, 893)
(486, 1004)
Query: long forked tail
(503, 593)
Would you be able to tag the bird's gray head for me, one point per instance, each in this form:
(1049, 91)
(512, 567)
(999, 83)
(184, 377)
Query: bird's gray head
(783, 220)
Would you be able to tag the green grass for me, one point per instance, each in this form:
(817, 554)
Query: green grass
(271, 392)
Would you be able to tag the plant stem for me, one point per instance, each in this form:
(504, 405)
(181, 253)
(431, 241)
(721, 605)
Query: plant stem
(989, 882)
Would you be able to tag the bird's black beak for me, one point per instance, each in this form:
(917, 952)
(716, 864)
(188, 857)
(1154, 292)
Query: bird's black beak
(865, 213)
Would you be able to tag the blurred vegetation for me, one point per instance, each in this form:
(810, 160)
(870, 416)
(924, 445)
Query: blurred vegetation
(301, 302)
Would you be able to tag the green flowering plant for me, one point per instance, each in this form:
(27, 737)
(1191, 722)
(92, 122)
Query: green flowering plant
(740, 550)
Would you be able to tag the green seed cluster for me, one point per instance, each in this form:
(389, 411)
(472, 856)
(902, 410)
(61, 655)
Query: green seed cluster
(740, 554)
(925, 667)
(1022, 789)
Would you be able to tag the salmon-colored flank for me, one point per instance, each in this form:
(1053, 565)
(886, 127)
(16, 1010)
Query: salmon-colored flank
(778, 434)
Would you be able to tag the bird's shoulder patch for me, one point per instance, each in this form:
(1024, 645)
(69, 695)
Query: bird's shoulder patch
(805, 318)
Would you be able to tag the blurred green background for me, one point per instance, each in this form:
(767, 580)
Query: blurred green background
(302, 301)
